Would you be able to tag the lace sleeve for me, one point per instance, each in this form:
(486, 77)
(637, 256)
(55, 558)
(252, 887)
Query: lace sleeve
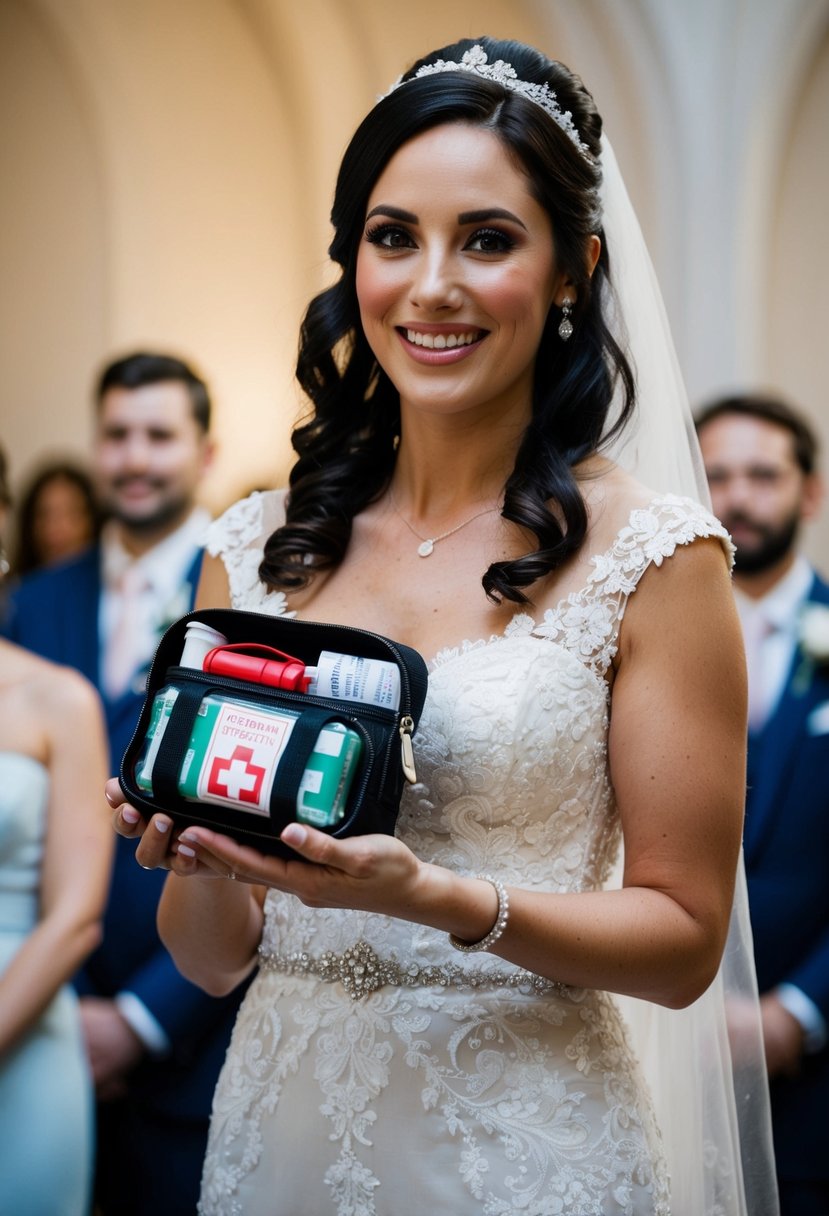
(653, 533)
(238, 538)
(588, 621)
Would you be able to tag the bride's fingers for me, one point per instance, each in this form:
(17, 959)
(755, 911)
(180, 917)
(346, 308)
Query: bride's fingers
(154, 846)
(126, 820)
(222, 856)
(357, 857)
(324, 850)
(112, 792)
(195, 858)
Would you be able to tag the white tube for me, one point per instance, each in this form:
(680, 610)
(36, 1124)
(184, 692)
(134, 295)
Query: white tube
(199, 639)
(350, 677)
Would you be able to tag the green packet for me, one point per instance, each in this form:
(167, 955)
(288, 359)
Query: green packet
(233, 753)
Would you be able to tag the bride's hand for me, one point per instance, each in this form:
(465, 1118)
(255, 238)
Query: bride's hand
(158, 847)
(373, 873)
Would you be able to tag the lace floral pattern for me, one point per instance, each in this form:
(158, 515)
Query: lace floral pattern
(238, 537)
(444, 1098)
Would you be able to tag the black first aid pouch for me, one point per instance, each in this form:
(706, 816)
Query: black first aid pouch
(252, 722)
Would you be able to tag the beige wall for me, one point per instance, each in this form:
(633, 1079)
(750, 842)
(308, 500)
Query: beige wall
(166, 171)
(796, 331)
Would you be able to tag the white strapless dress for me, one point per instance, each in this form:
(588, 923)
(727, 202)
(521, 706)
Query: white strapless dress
(46, 1111)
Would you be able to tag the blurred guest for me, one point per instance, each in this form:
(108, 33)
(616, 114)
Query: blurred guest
(156, 1042)
(55, 856)
(58, 516)
(761, 460)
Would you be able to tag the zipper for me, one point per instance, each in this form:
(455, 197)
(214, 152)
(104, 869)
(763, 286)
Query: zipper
(192, 674)
(386, 643)
(405, 722)
(261, 692)
(406, 750)
(266, 693)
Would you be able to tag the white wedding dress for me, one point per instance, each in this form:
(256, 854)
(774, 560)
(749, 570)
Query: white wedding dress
(374, 1071)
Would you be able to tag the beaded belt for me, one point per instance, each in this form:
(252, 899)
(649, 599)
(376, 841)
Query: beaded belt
(361, 972)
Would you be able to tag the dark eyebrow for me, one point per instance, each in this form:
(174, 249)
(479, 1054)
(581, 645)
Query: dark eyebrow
(395, 213)
(489, 213)
(465, 217)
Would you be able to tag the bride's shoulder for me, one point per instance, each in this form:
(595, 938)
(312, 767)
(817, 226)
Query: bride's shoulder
(247, 522)
(623, 511)
(612, 498)
(611, 495)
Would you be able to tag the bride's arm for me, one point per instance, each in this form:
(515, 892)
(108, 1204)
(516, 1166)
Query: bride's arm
(677, 762)
(210, 924)
(212, 929)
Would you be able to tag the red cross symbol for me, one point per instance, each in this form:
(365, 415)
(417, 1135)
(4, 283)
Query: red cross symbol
(235, 777)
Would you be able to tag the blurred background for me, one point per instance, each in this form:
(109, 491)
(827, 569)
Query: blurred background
(167, 167)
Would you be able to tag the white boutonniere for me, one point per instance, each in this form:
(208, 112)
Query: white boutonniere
(813, 642)
(814, 632)
(176, 608)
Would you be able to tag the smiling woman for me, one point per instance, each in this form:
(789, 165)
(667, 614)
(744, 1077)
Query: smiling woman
(447, 284)
(461, 988)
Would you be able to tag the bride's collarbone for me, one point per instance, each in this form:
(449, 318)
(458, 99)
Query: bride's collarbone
(428, 606)
(431, 600)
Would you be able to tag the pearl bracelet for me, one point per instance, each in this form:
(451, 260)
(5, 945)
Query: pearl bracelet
(486, 943)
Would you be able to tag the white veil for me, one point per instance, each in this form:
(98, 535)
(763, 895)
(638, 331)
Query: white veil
(712, 1107)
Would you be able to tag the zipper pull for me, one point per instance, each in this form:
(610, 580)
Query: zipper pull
(406, 749)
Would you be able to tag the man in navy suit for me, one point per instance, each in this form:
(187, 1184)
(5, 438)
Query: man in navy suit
(155, 1041)
(760, 458)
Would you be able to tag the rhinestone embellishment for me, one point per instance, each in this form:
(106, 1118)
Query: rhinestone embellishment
(565, 329)
(477, 62)
(361, 971)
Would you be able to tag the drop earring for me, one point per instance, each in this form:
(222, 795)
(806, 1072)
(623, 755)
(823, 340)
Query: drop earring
(565, 328)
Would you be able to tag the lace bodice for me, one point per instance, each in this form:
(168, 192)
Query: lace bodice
(511, 754)
(511, 747)
(586, 622)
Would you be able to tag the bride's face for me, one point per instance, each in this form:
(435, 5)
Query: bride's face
(456, 274)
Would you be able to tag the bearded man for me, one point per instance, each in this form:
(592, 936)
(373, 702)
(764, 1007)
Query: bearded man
(761, 461)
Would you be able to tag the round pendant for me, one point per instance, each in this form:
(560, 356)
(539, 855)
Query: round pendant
(426, 548)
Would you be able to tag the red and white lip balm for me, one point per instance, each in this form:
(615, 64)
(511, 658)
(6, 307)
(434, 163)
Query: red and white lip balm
(269, 666)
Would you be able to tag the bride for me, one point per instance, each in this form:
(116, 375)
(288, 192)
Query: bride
(454, 489)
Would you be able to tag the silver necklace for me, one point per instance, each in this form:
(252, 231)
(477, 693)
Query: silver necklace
(427, 543)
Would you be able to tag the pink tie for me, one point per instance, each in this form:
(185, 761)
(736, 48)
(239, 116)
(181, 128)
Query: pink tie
(126, 649)
(756, 629)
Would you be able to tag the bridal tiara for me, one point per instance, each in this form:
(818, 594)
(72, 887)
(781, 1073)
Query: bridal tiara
(476, 62)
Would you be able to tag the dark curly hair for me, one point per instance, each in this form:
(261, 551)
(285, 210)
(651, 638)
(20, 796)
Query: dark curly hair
(346, 450)
(28, 556)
